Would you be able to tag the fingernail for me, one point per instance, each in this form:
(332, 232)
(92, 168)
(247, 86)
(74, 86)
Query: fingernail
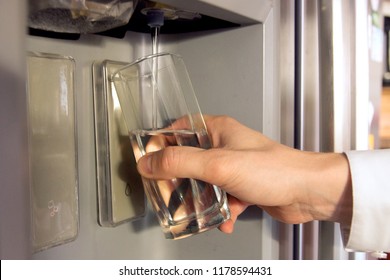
(145, 164)
(149, 164)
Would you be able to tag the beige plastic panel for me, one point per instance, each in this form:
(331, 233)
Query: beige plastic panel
(52, 149)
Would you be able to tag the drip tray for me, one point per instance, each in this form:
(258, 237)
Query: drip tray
(120, 191)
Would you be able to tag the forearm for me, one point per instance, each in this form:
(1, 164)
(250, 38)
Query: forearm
(328, 187)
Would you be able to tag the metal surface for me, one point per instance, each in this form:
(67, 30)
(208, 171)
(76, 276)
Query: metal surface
(287, 71)
(332, 73)
(15, 240)
(120, 191)
(222, 79)
(214, 63)
(360, 77)
(245, 12)
(338, 61)
(307, 109)
(287, 92)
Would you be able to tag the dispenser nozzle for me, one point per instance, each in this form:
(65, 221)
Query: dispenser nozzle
(155, 17)
(156, 13)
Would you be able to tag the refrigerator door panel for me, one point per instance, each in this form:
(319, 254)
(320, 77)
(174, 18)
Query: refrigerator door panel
(335, 24)
(15, 239)
(325, 97)
(287, 100)
(234, 71)
(278, 64)
(307, 106)
(237, 89)
(332, 97)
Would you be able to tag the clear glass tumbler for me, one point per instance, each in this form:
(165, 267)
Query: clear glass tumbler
(160, 109)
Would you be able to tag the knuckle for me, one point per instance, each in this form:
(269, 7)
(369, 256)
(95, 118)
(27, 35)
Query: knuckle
(222, 122)
(215, 167)
(226, 119)
(170, 160)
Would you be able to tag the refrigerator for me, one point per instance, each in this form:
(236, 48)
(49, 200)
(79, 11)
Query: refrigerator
(297, 71)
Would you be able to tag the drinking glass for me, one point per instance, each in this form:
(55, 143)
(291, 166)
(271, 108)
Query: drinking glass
(160, 109)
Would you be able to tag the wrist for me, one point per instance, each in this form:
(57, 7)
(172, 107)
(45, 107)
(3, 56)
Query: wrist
(329, 188)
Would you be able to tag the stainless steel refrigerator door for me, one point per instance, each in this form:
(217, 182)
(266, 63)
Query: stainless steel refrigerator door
(332, 98)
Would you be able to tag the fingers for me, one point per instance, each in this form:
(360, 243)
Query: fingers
(236, 208)
(173, 162)
(214, 166)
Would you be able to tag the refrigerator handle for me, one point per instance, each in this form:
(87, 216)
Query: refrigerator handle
(305, 245)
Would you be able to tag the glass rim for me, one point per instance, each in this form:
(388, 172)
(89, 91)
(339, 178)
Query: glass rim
(143, 58)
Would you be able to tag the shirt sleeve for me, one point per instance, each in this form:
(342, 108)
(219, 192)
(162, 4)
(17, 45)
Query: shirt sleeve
(370, 227)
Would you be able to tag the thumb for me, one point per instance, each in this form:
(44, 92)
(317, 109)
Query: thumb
(174, 162)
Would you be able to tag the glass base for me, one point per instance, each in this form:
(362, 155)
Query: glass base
(198, 224)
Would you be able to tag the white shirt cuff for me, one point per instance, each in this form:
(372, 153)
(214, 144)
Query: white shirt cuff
(370, 227)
